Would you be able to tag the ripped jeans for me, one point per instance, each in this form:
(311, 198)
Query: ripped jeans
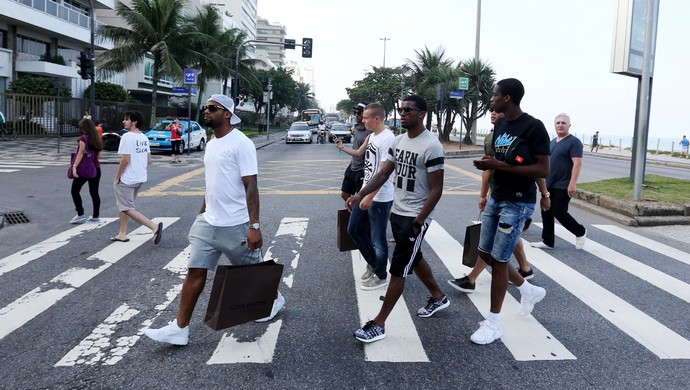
(502, 224)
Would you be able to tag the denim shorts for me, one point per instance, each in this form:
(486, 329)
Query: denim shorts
(502, 224)
(208, 242)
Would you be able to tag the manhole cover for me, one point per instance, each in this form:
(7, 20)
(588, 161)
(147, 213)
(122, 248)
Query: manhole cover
(16, 218)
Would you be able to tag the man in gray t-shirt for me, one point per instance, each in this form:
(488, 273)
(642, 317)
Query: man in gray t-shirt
(354, 174)
(417, 159)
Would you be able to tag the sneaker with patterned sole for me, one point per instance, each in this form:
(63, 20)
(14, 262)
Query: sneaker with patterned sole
(171, 334)
(463, 284)
(487, 333)
(370, 332)
(368, 273)
(373, 283)
(527, 302)
(78, 219)
(432, 306)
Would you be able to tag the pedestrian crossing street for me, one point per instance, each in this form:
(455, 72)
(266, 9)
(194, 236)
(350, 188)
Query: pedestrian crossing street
(526, 338)
(10, 166)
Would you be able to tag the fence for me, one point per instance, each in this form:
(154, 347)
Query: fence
(41, 116)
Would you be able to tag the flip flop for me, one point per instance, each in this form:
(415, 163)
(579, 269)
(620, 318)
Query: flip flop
(115, 239)
(158, 234)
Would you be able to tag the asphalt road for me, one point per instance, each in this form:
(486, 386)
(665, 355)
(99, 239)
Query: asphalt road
(73, 305)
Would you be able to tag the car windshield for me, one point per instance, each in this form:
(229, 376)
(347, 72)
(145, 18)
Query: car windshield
(340, 127)
(166, 124)
(300, 126)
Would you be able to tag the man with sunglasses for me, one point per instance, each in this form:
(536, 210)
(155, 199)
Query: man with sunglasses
(228, 222)
(417, 159)
(521, 154)
(354, 173)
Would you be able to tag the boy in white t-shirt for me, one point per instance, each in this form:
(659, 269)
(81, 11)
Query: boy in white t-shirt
(369, 218)
(131, 175)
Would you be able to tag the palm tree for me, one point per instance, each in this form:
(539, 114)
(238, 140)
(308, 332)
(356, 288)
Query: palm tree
(428, 70)
(229, 41)
(154, 27)
(304, 98)
(477, 99)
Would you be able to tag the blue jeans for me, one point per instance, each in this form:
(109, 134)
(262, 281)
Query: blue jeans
(368, 230)
(502, 224)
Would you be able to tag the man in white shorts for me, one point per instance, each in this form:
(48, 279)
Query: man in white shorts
(229, 219)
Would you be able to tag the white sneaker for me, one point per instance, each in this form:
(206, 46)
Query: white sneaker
(373, 283)
(171, 334)
(540, 245)
(580, 241)
(487, 333)
(277, 305)
(78, 219)
(92, 219)
(527, 302)
(368, 273)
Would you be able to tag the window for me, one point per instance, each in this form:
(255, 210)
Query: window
(32, 46)
(3, 39)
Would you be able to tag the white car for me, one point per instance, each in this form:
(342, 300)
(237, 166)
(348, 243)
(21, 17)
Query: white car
(298, 132)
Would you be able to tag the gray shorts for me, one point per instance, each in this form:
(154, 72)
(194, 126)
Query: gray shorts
(125, 194)
(209, 242)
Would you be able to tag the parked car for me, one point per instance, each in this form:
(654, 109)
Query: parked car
(298, 132)
(159, 135)
(341, 131)
(111, 139)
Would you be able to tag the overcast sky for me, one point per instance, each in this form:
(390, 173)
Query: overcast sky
(559, 49)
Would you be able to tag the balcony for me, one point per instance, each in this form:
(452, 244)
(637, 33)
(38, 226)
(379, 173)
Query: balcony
(30, 64)
(54, 18)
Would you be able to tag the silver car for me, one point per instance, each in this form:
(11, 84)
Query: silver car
(340, 130)
(298, 132)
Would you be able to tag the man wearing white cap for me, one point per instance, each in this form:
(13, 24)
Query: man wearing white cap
(229, 219)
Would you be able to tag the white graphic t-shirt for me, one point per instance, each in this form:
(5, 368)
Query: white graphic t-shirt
(137, 146)
(377, 148)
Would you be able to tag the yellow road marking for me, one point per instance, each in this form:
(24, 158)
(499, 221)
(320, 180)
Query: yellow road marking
(463, 172)
(161, 188)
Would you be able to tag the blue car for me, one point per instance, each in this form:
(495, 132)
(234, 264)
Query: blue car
(159, 135)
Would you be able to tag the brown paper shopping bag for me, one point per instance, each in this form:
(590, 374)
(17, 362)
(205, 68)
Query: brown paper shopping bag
(344, 240)
(470, 249)
(242, 293)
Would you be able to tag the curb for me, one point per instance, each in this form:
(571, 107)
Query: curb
(672, 164)
(631, 213)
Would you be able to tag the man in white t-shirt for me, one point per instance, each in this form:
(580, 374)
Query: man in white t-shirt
(131, 175)
(228, 222)
(369, 218)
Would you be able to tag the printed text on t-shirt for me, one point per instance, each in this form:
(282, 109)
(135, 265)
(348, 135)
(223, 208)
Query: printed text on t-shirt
(406, 169)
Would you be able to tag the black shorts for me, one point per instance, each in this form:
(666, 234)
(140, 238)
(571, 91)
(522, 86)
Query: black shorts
(408, 248)
(353, 180)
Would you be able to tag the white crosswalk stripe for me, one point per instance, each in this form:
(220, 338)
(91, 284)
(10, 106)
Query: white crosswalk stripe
(120, 330)
(9, 166)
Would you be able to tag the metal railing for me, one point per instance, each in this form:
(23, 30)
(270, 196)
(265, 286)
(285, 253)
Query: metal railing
(59, 11)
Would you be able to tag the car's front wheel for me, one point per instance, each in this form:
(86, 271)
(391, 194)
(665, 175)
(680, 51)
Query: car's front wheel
(202, 145)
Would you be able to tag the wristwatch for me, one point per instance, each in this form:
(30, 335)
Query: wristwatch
(255, 226)
(545, 195)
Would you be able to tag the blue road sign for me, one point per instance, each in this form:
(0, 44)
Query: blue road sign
(456, 94)
(190, 76)
(184, 90)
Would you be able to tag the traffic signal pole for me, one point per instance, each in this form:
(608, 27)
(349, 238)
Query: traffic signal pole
(92, 60)
(288, 44)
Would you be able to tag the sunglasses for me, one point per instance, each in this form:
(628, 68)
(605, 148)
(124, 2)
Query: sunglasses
(358, 112)
(213, 108)
(407, 110)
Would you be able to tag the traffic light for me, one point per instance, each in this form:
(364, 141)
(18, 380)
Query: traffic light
(289, 43)
(85, 66)
(306, 47)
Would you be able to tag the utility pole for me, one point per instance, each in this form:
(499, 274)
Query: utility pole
(92, 58)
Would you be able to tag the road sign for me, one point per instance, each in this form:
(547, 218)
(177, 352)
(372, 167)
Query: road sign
(190, 76)
(456, 94)
(184, 90)
(464, 83)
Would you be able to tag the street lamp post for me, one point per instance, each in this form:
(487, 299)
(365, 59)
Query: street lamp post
(268, 107)
(384, 49)
(479, 23)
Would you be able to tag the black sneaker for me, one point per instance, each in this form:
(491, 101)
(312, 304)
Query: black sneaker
(526, 275)
(432, 306)
(370, 332)
(463, 284)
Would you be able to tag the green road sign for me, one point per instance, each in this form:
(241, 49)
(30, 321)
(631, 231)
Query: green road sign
(464, 83)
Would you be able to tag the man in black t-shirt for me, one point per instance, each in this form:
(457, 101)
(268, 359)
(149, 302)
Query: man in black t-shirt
(521, 154)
